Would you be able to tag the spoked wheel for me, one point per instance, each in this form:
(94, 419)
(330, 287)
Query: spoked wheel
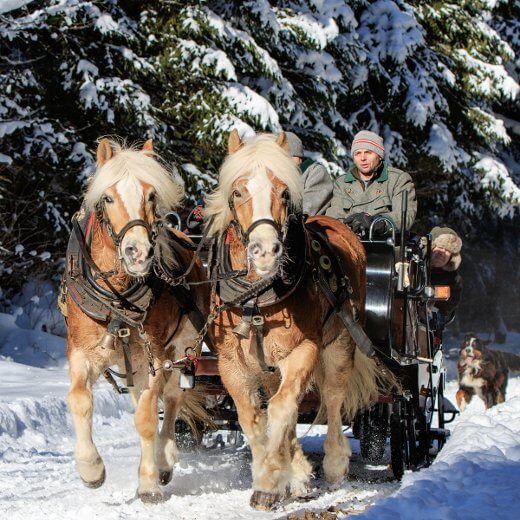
(399, 456)
(373, 427)
(186, 440)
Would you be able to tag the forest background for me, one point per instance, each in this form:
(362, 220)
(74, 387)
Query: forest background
(438, 80)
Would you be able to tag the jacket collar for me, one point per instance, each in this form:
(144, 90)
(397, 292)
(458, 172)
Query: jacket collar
(352, 175)
(305, 164)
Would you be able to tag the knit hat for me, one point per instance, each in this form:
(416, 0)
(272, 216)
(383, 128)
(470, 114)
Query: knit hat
(448, 239)
(295, 145)
(366, 140)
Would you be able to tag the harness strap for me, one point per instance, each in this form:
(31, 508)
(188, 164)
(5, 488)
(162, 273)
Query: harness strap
(258, 326)
(128, 361)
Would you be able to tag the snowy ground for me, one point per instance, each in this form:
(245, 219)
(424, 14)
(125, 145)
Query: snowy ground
(475, 476)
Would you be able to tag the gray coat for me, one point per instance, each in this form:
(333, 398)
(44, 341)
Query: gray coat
(317, 187)
(382, 197)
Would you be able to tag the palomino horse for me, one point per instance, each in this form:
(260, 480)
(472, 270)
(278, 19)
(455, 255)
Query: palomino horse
(116, 304)
(276, 317)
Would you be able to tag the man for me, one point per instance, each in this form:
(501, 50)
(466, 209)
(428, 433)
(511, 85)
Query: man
(317, 184)
(372, 188)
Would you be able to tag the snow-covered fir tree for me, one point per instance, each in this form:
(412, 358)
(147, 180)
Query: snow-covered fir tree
(439, 81)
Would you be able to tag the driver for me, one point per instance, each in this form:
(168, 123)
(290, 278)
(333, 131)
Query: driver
(371, 188)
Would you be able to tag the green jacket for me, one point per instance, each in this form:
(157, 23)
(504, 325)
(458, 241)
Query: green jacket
(382, 197)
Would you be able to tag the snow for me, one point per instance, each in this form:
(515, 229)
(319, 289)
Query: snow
(11, 5)
(495, 175)
(442, 145)
(474, 476)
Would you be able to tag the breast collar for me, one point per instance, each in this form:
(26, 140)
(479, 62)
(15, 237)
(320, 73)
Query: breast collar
(130, 305)
(296, 249)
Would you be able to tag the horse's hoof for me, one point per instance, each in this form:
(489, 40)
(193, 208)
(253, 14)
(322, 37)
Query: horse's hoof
(300, 489)
(151, 497)
(265, 501)
(95, 483)
(164, 477)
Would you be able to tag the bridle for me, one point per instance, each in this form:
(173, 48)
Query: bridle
(281, 230)
(117, 238)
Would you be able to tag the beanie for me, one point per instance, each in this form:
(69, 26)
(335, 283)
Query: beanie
(366, 140)
(295, 145)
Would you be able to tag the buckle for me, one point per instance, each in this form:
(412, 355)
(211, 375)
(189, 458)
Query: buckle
(123, 332)
(257, 320)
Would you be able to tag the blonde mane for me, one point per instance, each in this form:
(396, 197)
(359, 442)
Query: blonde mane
(138, 164)
(259, 154)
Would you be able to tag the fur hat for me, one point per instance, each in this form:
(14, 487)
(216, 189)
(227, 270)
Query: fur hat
(295, 145)
(366, 140)
(448, 239)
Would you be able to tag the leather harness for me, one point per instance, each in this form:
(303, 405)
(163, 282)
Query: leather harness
(122, 310)
(310, 254)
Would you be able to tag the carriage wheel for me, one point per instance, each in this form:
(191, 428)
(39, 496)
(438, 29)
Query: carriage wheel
(397, 446)
(373, 427)
(185, 439)
(440, 412)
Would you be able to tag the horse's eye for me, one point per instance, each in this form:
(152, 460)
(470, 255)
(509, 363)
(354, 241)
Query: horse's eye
(152, 197)
(107, 199)
(286, 196)
(236, 194)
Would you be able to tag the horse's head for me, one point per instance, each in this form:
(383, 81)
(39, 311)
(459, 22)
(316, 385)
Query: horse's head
(127, 191)
(260, 186)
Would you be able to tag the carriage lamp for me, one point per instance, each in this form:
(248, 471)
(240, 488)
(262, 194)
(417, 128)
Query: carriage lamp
(438, 292)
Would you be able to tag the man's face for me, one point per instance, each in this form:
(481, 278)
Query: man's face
(440, 257)
(366, 161)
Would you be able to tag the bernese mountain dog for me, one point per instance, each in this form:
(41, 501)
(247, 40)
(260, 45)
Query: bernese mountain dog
(483, 372)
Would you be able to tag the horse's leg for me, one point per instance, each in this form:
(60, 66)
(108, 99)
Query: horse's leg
(275, 475)
(251, 418)
(88, 461)
(301, 468)
(146, 423)
(337, 369)
(167, 452)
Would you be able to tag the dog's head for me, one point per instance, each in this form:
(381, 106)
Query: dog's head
(471, 352)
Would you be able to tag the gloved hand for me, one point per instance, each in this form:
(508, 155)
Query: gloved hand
(360, 223)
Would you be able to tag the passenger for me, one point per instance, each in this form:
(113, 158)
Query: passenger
(445, 262)
(317, 184)
(371, 188)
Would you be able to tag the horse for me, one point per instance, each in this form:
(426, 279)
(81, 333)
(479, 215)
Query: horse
(273, 330)
(120, 312)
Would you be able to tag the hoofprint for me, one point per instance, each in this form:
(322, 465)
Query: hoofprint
(250, 213)
(125, 195)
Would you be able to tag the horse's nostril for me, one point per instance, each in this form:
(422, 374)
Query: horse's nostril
(255, 249)
(130, 251)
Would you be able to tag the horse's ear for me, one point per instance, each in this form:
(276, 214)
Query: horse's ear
(104, 152)
(148, 147)
(234, 142)
(282, 141)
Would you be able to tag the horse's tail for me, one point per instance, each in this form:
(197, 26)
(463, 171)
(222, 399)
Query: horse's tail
(367, 381)
(194, 413)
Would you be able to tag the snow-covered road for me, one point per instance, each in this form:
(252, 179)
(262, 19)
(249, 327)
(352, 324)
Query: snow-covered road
(475, 476)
